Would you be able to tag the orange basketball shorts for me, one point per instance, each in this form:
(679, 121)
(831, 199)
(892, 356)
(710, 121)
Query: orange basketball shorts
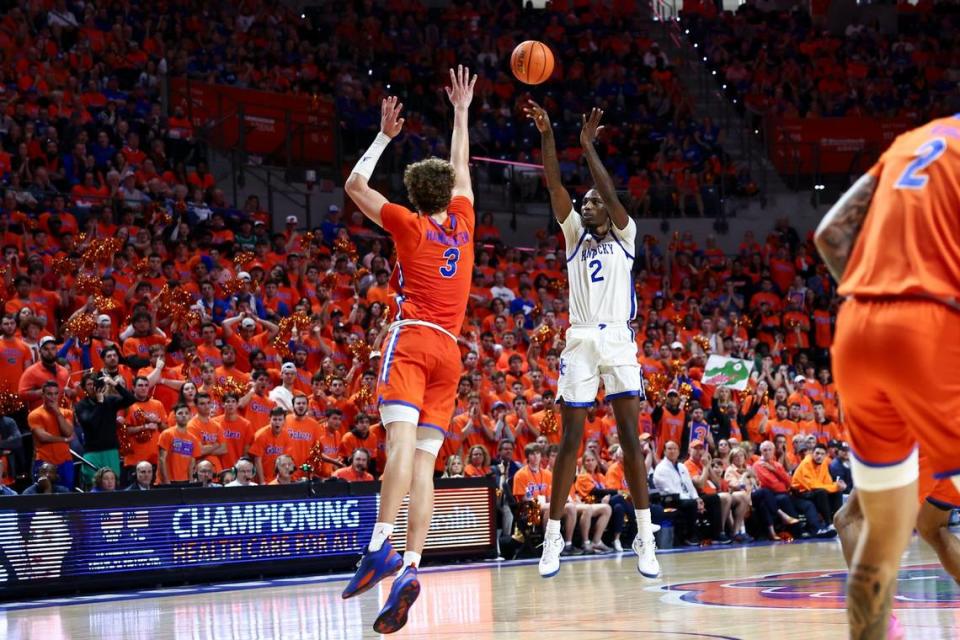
(939, 493)
(419, 374)
(894, 363)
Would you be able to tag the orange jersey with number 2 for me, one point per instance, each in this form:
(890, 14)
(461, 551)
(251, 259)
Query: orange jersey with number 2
(909, 244)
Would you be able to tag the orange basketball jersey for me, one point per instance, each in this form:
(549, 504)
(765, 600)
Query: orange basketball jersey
(909, 245)
(434, 263)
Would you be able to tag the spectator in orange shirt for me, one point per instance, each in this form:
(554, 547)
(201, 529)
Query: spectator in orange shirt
(361, 436)
(812, 481)
(772, 476)
(357, 471)
(209, 432)
(477, 428)
(478, 464)
(257, 404)
(145, 414)
(590, 506)
(302, 430)
(718, 502)
(237, 431)
(781, 425)
(532, 484)
(801, 398)
(144, 335)
(247, 340)
(268, 443)
(179, 450)
(821, 427)
(52, 429)
(39, 373)
(15, 355)
(208, 349)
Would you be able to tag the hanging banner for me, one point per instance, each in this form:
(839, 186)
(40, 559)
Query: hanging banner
(268, 119)
(829, 145)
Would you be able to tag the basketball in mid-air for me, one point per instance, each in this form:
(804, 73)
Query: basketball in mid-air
(532, 62)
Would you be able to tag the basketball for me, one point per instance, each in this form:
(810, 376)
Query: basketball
(532, 62)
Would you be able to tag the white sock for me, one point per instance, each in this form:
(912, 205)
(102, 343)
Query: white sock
(381, 531)
(553, 529)
(411, 558)
(644, 524)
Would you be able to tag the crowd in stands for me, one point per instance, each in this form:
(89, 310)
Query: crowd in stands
(781, 64)
(667, 160)
(263, 370)
(169, 337)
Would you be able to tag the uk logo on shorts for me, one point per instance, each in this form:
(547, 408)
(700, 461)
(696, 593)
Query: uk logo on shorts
(925, 586)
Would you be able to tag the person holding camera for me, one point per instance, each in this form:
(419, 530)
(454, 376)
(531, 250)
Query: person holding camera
(97, 416)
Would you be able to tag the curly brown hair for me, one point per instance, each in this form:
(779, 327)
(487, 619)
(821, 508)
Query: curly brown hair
(429, 185)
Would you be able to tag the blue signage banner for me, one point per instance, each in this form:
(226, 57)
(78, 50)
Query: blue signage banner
(50, 545)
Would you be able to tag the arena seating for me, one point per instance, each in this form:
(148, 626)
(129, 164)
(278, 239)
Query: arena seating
(110, 211)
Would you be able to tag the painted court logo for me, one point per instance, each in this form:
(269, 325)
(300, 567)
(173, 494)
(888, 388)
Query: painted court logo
(918, 587)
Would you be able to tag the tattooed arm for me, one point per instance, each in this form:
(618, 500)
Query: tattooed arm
(839, 229)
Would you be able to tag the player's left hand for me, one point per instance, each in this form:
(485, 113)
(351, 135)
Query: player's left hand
(390, 121)
(591, 126)
(460, 90)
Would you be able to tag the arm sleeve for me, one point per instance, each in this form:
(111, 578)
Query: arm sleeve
(65, 349)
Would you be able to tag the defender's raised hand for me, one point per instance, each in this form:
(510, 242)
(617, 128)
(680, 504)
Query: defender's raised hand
(460, 90)
(390, 121)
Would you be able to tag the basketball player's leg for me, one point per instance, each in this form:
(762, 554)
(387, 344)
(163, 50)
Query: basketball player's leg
(889, 519)
(933, 523)
(623, 382)
(576, 390)
(883, 440)
(380, 560)
(400, 386)
(441, 368)
(564, 471)
(848, 521)
(421, 493)
(406, 588)
(439, 397)
(626, 410)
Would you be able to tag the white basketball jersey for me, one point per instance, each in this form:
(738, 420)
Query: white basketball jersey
(600, 273)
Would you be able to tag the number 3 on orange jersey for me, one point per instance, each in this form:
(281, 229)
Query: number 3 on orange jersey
(926, 155)
(449, 269)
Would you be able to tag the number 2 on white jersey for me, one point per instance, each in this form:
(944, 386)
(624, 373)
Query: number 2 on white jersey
(595, 276)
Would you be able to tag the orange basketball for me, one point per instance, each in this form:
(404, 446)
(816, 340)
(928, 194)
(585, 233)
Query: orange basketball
(532, 62)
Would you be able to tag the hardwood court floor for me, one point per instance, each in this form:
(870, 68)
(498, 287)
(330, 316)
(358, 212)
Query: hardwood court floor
(712, 593)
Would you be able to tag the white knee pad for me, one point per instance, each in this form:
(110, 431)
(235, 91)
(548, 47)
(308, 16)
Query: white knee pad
(429, 440)
(876, 478)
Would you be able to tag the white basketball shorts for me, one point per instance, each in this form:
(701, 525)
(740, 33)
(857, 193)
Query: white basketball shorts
(598, 352)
